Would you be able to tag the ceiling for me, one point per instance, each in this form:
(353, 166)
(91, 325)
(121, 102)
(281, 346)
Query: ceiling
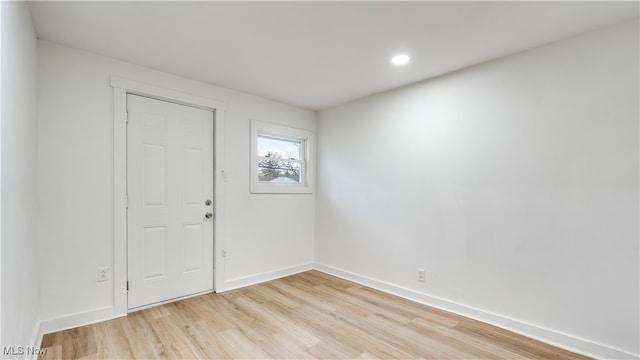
(315, 54)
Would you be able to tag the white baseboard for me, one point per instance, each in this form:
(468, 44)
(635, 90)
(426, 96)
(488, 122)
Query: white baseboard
(107, 313)
(549, 336)
(36, 339)
(262, 277)
(80, 319)
(545, 335)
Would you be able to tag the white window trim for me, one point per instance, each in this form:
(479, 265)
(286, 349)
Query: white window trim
(308, 153)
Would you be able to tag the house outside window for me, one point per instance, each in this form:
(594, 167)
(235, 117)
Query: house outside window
(282, 159)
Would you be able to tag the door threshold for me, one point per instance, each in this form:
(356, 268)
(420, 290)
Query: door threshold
(143, 307)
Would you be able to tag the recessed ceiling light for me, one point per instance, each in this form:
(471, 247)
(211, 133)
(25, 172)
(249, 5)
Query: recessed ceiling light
(400, 59)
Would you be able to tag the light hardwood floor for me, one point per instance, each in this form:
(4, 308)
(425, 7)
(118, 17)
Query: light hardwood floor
(308, 315)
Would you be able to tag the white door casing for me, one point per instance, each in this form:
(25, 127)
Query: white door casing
(169, 178)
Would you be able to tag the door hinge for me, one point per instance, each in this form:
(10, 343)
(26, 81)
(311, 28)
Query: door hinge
(126, 201)
(127, 285)
(126, 117)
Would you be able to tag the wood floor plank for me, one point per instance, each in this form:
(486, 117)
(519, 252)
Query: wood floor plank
(116, 342)
(146, 341)
(303, 316)
(477, 347)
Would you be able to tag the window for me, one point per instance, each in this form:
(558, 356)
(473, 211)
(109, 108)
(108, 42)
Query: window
(281, 159)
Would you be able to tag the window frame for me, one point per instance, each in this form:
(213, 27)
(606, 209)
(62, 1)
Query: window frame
(307, 159)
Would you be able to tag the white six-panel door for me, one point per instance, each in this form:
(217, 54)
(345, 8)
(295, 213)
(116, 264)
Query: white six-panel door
(169, 180)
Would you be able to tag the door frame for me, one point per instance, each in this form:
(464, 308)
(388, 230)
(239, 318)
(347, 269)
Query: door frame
(122, 87)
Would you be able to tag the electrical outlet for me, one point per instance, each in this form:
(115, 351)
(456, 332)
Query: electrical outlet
(103, 274)
(421, 275)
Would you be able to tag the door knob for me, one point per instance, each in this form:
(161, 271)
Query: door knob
(207, 202)
(208, 215)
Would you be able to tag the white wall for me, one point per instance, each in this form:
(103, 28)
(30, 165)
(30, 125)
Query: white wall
(513, 183)
(75, 181)
(20, 285)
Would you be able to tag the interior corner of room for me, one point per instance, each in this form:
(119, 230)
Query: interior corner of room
(504, 189)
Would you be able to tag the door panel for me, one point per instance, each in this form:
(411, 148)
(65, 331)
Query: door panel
(193, 246)
(155, 175)
(169, 177)
(154, 256)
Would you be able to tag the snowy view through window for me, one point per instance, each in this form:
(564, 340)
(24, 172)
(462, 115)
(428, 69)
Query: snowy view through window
(279, 160)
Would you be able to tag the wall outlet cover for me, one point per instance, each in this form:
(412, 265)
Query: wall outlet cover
(103, 274)
(421, 275)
